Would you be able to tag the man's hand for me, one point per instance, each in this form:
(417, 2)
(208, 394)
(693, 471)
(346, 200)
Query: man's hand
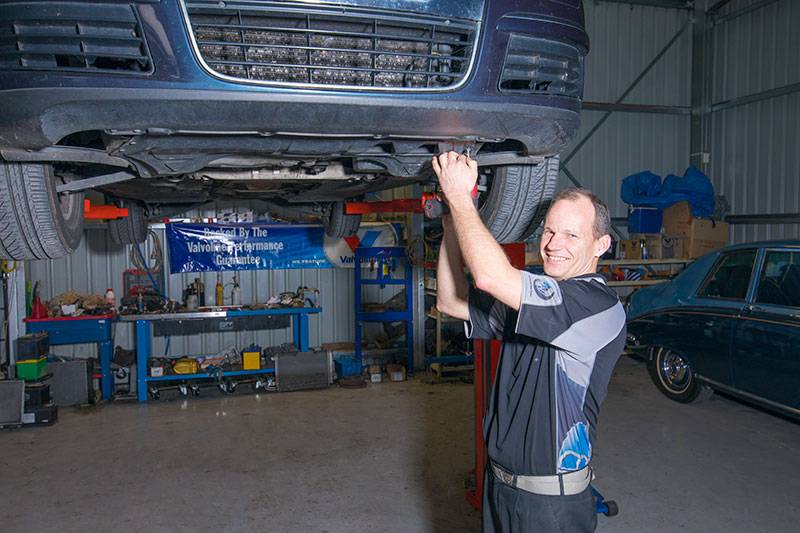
(457, 175)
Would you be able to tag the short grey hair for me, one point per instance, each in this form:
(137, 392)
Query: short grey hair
(602, 220)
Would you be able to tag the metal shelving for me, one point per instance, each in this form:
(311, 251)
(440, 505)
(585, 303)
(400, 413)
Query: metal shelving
(385, 259)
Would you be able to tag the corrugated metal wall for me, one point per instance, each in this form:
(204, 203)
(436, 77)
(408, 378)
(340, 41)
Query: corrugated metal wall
(755, 161)
(625, 39)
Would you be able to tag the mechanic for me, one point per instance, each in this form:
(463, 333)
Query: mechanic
(562, 334)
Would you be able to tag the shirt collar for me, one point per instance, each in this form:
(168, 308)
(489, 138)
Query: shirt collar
(590, 277)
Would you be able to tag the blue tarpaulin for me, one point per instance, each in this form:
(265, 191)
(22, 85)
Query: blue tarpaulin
(646, 189)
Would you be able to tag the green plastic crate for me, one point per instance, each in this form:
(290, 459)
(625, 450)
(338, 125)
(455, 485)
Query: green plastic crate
(31, 369)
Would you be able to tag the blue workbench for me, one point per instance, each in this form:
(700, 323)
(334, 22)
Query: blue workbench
(144, 338)
(82, 330)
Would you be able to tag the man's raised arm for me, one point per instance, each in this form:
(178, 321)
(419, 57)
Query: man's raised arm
(451, 283)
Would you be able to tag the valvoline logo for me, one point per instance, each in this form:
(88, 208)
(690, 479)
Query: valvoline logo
(341, 252)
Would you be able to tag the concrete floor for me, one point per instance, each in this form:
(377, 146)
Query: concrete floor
(391, 457)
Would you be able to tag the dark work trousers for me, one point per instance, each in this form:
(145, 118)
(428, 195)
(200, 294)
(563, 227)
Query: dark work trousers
(510, 510)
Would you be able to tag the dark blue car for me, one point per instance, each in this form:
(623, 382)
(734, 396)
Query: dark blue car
(730, 321)
(163, 105)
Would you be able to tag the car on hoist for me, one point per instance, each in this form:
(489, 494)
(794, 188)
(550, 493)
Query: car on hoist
(164, 105)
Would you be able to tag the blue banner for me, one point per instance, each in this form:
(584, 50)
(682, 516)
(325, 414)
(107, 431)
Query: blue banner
(215, 247)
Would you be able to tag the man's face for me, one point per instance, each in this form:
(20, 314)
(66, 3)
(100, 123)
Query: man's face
(568, 246)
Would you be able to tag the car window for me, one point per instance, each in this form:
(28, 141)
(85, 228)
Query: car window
(730, 276)
(779, 282)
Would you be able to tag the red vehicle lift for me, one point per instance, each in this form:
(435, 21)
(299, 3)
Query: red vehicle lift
(103, 212)
(487, 355)
(404, 205)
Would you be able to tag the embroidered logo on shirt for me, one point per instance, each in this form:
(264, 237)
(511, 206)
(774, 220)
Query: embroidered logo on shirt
(543, 288)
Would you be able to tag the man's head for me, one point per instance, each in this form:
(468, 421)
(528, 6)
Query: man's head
(575, 234)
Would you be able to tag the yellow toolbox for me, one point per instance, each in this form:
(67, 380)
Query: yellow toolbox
(251, 358)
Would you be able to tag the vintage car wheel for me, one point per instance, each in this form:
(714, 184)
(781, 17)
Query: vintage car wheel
(129, 230)
(518, 199)
(36, 222)
(673, 375)
(337, 224)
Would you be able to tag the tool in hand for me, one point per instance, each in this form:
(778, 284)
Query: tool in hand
(434, 205)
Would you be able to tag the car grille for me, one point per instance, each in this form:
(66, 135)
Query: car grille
(541, 67)
(276, 44)
(72, 36)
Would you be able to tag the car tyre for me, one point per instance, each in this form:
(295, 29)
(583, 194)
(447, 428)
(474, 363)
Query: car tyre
(131, 229)
(518, 199)
(673, 375)
(36, 222)
(338, 224)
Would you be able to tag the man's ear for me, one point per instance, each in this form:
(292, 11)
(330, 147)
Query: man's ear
(602, 245)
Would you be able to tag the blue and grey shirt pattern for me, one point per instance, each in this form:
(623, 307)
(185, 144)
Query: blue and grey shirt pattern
(559, 351)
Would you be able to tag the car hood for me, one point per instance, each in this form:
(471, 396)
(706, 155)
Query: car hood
(679, 291)
(469, 9)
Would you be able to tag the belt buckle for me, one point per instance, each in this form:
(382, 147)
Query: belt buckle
(507, 478)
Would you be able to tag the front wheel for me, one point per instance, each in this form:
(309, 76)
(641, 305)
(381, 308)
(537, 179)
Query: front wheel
(36, 222)
(673, 375)
(518, 198)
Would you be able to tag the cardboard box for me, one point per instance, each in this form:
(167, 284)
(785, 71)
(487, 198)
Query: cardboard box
(396, 372)
(678, 220)
(375, 374)
(630, 249)
(673, 247)
(706, 236)
(700, 235)
(658, 246)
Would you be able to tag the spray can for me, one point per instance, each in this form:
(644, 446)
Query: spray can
(201, 291)
(219, 291)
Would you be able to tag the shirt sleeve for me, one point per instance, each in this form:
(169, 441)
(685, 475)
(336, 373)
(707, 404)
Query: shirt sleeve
(576, 315)
(487, 316)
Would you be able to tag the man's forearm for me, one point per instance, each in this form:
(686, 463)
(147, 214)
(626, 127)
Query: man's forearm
(451, 283)
(482, 254)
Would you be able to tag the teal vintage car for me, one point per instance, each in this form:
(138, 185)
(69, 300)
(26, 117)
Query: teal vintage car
(730, 321)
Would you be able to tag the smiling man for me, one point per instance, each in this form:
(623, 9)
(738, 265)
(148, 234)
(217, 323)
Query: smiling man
(562, 334)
